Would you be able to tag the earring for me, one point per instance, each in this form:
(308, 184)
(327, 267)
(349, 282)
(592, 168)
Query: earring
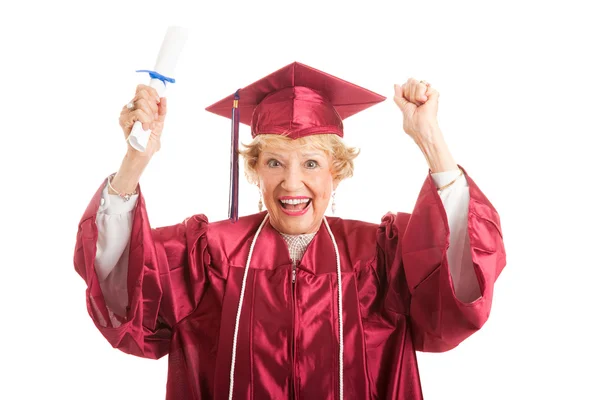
(260, 203)
(333, 203)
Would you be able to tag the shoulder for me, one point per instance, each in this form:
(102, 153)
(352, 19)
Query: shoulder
(391, 231)
(200, 223)
(220, 240)
(394, 223)
(353, 237)
(245, 226)
(350, 227)
(227, 241)
(391, 224)
(217, 234)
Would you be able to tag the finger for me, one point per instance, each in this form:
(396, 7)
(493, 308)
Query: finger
(147, 106)
(432, 94)
(162, 108)
(399, 97)
(147, 97)
(413, 86)
(150, 90)
(422, 91)
(157, 128)
(139, 115)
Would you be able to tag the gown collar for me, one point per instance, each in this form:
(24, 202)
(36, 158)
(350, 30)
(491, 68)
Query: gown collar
(272, 250)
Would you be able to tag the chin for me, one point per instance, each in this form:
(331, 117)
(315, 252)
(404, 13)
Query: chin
(297, 229)
(291, 227)
(295, 225)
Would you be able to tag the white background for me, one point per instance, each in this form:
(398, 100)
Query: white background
(519, 108)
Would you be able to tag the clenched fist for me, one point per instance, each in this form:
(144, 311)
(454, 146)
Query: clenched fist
(149, 109)
(419, 104)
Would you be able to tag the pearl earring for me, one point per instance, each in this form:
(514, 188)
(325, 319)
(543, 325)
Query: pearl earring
(260, 203)
(333, 203)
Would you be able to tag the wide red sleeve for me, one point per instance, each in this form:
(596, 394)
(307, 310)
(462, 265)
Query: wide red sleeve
(165, 279)
(415, 250)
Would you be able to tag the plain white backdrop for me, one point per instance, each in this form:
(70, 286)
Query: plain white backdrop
(519, 108)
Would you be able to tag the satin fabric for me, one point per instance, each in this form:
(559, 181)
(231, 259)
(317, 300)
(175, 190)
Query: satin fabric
(297, 101)
(296, 112)
(184, 284)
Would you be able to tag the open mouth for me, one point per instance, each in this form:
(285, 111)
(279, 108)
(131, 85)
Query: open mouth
(294, 205)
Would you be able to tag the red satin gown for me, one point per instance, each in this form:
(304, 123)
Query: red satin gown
(184, 284)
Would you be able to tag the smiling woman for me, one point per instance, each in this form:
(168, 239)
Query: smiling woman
(289, 303)
(297, 177)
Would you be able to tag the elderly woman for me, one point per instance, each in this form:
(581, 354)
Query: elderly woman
(288, 303)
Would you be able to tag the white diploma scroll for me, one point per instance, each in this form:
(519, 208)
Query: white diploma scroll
(166, 61)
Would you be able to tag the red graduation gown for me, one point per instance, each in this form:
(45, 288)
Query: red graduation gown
(184, 283)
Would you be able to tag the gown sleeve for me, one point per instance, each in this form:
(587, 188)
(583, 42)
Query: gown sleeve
(417, 262)
(136, 296)
(455, 199)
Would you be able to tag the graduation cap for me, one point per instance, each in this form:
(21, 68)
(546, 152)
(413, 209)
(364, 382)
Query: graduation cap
(295, 101)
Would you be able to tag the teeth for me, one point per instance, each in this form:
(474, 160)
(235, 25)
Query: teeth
(295, 201)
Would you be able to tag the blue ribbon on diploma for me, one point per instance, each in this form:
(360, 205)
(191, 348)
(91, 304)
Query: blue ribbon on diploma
(156, 75)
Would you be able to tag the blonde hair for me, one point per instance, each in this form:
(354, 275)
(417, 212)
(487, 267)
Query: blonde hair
(342, 156)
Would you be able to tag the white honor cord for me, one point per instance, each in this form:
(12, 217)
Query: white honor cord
(239, 310)
(340, 314)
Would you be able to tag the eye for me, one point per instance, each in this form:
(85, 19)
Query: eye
(311, 164)
(272, 163)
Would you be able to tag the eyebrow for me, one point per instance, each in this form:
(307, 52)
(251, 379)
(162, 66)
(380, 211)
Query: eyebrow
(273, 154)
(277, 155)
(312, 155)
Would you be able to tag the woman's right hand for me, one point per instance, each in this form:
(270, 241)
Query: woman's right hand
(151, 111)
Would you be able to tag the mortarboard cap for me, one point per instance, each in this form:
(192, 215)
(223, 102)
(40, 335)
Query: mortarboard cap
(295, 101)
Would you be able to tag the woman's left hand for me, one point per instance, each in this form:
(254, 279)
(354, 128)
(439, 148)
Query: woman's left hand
(419, 104)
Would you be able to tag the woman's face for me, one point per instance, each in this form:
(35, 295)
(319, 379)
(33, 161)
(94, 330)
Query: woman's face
(296, 186)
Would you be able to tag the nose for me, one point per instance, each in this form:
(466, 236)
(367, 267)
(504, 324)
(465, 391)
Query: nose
(292, 181)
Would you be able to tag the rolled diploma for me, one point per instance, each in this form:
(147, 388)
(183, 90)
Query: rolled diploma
(166, 61)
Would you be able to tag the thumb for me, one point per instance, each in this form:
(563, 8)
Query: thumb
(399, 98)
(162, 107)
(432, 95)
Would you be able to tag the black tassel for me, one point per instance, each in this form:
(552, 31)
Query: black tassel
(235, 160)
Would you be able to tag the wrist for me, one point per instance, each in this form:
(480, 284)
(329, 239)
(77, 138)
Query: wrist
(122, 184)
(429, 135)
(125, 181)
(125, 194)
(436, 151)
(134, 157)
